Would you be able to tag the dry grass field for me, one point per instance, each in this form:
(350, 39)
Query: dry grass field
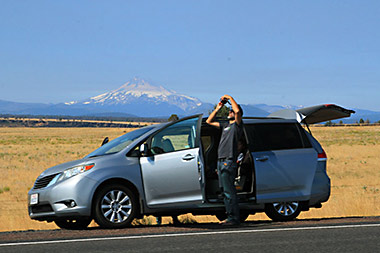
(353, 166)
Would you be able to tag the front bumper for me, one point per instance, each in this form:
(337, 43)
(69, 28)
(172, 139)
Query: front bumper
(56, 201)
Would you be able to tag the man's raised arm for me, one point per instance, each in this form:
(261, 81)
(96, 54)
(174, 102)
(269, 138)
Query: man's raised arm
(210, 119)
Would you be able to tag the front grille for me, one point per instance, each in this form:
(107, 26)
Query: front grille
(41, 208)
(43, 182)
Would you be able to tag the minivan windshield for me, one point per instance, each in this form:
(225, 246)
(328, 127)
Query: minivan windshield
(119, 143)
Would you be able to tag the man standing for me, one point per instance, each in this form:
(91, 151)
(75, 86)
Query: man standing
(227, 156)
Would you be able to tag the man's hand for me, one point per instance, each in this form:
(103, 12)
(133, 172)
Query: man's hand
(228, 97)
(210, 119)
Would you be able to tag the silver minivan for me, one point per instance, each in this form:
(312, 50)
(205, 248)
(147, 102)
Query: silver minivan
(170, 169)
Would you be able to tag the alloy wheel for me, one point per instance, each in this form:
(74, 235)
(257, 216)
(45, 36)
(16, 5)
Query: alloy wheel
(116, 206)
(286, 208)
(283, 211)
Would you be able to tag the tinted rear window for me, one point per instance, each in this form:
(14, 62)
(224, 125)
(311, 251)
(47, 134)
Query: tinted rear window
(276, 136)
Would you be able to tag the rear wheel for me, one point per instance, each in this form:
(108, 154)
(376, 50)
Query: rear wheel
(73, 224)
(115, 206)
(283, 211)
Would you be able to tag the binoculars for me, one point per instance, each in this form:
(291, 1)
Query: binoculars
(224, 101)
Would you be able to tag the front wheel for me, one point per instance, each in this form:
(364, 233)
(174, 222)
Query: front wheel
(73, 224)
(115, 206)
(283, 211)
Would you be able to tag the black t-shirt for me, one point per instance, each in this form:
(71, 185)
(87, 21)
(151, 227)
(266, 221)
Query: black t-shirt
(228, 144)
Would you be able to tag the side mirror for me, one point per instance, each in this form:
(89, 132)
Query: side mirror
(144, 149)
(105, 141)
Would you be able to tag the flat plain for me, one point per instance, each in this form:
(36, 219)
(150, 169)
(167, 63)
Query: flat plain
(353, 166)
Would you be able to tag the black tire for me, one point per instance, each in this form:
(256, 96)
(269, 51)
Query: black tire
(115, 206)
(176, 220)
(283, 211)
(73, 224)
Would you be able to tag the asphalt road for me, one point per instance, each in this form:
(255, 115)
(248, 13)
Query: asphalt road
(342, 235)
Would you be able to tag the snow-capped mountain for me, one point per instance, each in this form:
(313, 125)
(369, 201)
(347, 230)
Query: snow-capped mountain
(135, 98)
(139, 97)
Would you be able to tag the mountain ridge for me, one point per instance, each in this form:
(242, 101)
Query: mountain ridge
(139, 98)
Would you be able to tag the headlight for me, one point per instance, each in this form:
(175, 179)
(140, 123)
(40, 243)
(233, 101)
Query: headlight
(70, 173)
(76, 170)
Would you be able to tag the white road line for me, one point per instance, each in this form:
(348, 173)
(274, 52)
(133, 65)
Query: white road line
(189, 234)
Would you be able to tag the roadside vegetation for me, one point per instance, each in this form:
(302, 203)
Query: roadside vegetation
(353, 158)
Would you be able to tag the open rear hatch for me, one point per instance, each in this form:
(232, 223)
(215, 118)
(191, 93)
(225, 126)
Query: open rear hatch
(314, 114)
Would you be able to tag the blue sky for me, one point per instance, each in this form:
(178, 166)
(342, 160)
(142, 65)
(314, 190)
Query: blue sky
(273, 52)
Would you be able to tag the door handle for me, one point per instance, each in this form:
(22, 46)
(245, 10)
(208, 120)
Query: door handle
(262, 159)
(188, 157)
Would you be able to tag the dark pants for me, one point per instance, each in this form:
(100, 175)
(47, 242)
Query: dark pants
(226, 172)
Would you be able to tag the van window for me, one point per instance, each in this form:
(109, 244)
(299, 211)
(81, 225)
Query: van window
(305, 139)
(179, 136)
(206, 142)
(275, 136)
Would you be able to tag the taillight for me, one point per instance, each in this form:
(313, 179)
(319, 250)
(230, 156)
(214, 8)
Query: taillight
(322, 156)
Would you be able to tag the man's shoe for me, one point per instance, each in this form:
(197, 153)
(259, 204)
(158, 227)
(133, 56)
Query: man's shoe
(229, 223)
(223, 221)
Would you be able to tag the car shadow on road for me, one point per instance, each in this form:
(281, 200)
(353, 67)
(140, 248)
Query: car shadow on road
(272, 224)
